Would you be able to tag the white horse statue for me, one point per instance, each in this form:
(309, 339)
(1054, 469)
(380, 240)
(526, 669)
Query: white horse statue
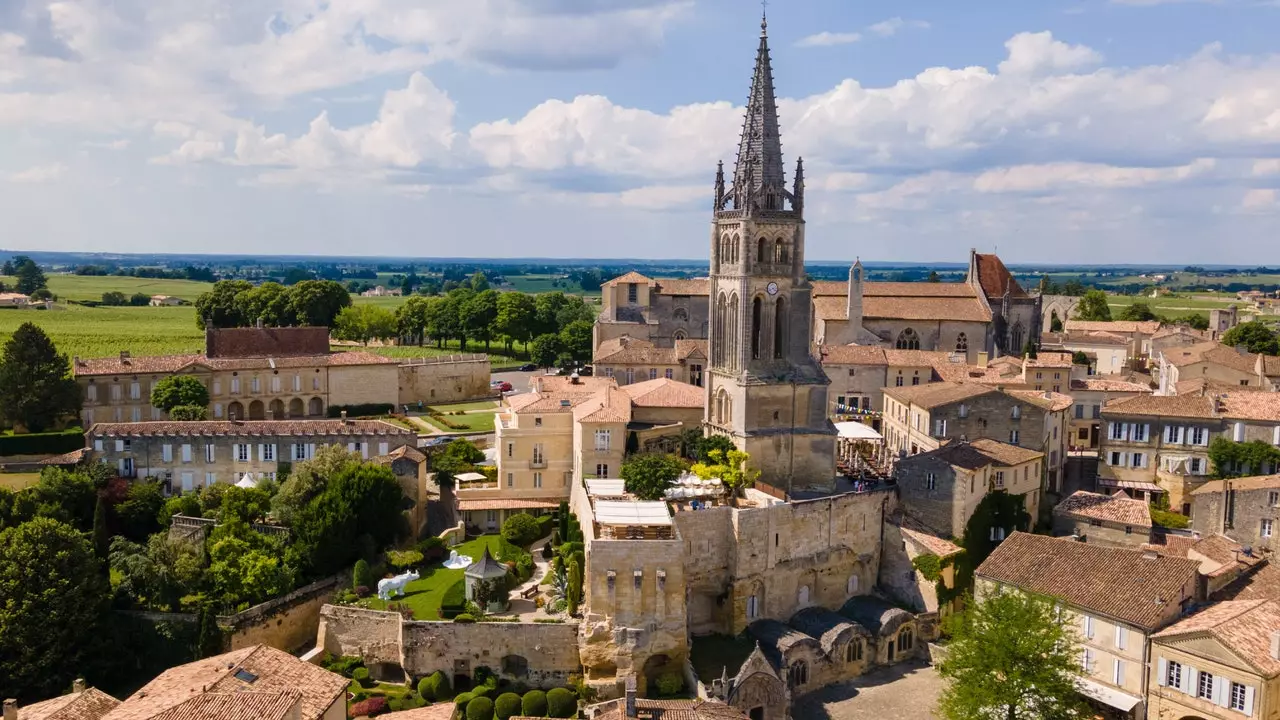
(395, 585)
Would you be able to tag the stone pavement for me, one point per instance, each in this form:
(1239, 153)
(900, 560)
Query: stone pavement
(902, 692)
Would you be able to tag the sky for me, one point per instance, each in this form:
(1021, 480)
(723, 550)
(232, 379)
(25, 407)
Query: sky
(1076, 131)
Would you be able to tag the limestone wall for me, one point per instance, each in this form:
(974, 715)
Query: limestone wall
(288, 623)
(370, 634)
(451, 378)
(362, 384)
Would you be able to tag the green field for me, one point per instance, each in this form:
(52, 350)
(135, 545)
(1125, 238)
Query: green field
(18, 481)
(474, 422)
(91, 287)
(1174, 305)
(105, 331)
(546, 283)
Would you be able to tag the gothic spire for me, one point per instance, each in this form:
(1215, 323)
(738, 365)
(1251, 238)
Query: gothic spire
(759, 176)
(719, 201)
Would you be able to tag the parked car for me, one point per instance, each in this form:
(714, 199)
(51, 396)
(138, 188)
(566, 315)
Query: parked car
(528, 367)
(586, 371)
(504, 386)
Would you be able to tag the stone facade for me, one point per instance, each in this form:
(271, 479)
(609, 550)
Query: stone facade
(1246, 510)
(451, 378)
(942, 488)
(288, 623)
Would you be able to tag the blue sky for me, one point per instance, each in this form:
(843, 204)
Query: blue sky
(1078, 131)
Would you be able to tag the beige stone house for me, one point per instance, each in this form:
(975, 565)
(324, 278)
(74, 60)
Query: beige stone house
(942, 488)
(1113, 599)
(1245, 509)
(859, 372)
(1108, 353)
(164, 301)
(1209, 361)
(1138, 334)
(1221, 663)
(191, 455)
(1176, 336)
(630, 360)
(1112, 520)
(1089, 394)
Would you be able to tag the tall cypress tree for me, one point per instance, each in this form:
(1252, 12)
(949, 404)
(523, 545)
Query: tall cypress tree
(36, 387)
(101, 538)
(209, 642)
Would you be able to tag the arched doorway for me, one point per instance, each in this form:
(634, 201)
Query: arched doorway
(315, 407)
(256, 410)
(515, 666)
(277, 409)
(235, 411)
(655, 666)
(297, 408)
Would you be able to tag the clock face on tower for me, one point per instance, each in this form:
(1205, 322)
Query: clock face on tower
(772, 288)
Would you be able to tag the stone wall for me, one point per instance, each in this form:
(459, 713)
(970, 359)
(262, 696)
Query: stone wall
(1250, 508)
(288, 622)
(362, 384)
(452, 378)
(1107, 534)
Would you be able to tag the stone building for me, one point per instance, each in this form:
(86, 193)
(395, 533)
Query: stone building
(190, 455)
(629, 360)
(906, 539)
(1137, 334)
(1211, 362)
(1089, 394)
(859, 373)
(1245, 509)
(1221, 663)
(1112, 520)
(942, 488)
(1113, 599)
(82, 703)
(409, 466)
(660, 311)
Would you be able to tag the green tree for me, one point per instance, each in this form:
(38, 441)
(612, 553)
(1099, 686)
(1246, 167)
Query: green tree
(648, 476)
(362, 323)
(360, 575)
(101, 537)
(1196, 321)
(575, 586)
(268, 302)
(36, 387)
(1055, 322)
(521, 529)
(933, 276)
(137, 514)
(478, 314)
(546, 348)
(220, 306)
(187, 413)
(479, 283)
(457, 457)
(1139, 311)
(176, 390)
(246, 567)
(732, 468)
(309, 478)
(52, 600)
(1080, 357)
(444, 318)
(515, 320)
(547, 308)
(364, 498)
(1030, 349)
(1009, 658)
(318, 302)
(1255, 336)
(575, 339)
(708, 444)
(114, 298)
(1093, 306)
(209, 641)
(30, 277)
(412, 318)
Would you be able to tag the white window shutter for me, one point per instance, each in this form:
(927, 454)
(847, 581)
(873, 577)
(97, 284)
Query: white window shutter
(1275, 435)
(1146, 432)
(1120, 632)
(1162, 672)
(311, 450)
(1238, 432)
(1191, 682)
(1248, 701)
(1117, 672)
(382, 448)
(1219, 697)
(351, 447)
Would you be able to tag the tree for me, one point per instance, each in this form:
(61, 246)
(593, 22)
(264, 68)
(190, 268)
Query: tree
(1009, 658)
(114, 297)
(933, 276)
(546, 348)
(574, 587)
(220, 307)
(318, 302)
(359, 499)
(137, 516)
(444, 317)
(30, 277)
(268, 302)
(478, 314)
(479, 283)
(1138, 311)
(1055, 322)
(1029, 349)
(36, 387)
(246, 567)
(175, 390)
(1093, 307)
(187, 413)
(6, 268)
(52, 600)
(139, 299)
(101, 537)
(309, 478)
(209, 641)
(521, 529)
(708, 444)
(360, 575)
(547, 308)
(515, 320)
(731, 468)
(1080, 357)
(1255, 336)
(575, 339)
(648, 476)
(412, 318)
(362, 323)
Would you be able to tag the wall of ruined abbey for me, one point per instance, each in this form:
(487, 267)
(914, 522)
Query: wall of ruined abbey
(446, 379)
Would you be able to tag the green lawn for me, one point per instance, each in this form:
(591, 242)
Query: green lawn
(497, 351)
(18, 481)
(423, 595)
(105, 331)
(480, 405)
(91, 287)
(474, 421)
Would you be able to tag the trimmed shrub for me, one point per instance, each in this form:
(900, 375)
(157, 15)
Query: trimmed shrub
(50, 443)
(363, 591)
(534, 704)
(432, 549)
(464, 618)
(507, 705)
(521, 529)
(361, 675)
(670, 683)
(344, 665)
(561, 703)
(373, 706)
(454, 600)
(463, 700)
(480, 709)
(407, 702)
(547, 552)
(361, 575)
(483, 691)
(434, 687)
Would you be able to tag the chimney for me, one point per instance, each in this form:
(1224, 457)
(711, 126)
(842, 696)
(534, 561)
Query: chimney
(1275, 655)
(344, 417)
(124, 356)
(631, 693)
(1150, 555)
(982, 359)
(77, 685)
(11, 709)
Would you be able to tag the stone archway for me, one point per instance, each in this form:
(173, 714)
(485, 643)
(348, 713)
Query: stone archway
(655, 666)
(1064, 306)
(235, 410)
(315, 408)
(257, 410)
(277, 409)
(297, 408)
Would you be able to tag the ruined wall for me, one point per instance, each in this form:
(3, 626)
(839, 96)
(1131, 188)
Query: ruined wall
(370, 634)
(444, 379)
(288, 623)
(708, 544)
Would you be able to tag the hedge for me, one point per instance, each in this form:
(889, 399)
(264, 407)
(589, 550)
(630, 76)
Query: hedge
(534, 704)
(480, 709)
(454, 601)
(50, 443)
(365, 410)
(561, 703)
(507, 705)
(434, 687)
(373, 706)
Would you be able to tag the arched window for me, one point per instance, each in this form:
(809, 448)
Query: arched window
(1015, 338)
(753, 607)
(780, 251)
(798, 674)
(762, 251)
(722, 326)
(779, 327)
(852, 585)
(735, 332)
(802, 597)
(680, 335)
(680, 314)
(905, 640)
(755, 328)
(962, 343)
(736, 244)
(908, 340)
(853, 651)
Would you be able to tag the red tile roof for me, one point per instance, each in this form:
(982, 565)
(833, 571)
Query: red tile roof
(91, 704)
(1112, 508)
(631, 277)
(959, 309)
(1243, 626)
(164, 364)
(666, 393)
(995, 278)
(507, 504)
(266, 428)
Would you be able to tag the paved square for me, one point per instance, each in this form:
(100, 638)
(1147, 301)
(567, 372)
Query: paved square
(903, 692)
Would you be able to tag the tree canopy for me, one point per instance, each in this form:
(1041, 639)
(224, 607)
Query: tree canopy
(363, 499)
(1093, 307)
(30, 277)
(649, 475)
(1009, 658)
(362, 323)
(178, 390)
(36, 387)
(1255, 336)
(237, 303)
(1138, 311)
(730, 467)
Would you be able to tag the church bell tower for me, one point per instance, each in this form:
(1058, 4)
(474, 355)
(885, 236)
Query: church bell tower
(765, 391)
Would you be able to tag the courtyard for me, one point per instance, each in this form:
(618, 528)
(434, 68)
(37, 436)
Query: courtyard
(425, 595)
(908, 691)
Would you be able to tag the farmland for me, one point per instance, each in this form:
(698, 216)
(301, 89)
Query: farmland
(105, 331)
(1176, 305)
(91, 287)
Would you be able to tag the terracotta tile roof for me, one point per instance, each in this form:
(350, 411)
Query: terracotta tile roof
(160, 364)
(666, 393)
(439, 711)
(919, 358)
(678, 286)
(1118, 583)
(1171, 330)
(1050, 360)
(631, 277)
(1264, 406)
(1204, 386)
(1167, 543)
(1004, 453)
(1212, 353)
(937, 394)
(258, 669)
(995, 278)
(1182, 406)
(91, 704)
(404, 451)
(72, 458)
(1096, 384)
(607, 405)
(1263, 583)
(1095, 338)
(840, 288)
(853, 355)
(1221, 555)
(627, 350)
(1144, 327)
(1116, 508)
(1243, 626)
(234, 706)
(1255, 482)
(962, 309)
(1270, 365)
(1051, 401)
(689, 347)
(916, 531)
(268, 428)
(979, 454)
(669, 710)
(996, 373)
(504, 504)
(556, 394)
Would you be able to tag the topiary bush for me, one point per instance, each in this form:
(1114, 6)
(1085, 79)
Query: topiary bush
(547, 552)
(361, 675)
(521, 530)
(463, 700)
(534, 704)
(360, 575)
(344, 665)
(435, 687)
(464, 618)
(480, 709)
(561, 703)
(372, 706)
(432, 549)
(507, 706)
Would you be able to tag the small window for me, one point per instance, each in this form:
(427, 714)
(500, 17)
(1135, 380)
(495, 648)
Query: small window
(930, 481)
(633, 293)
(1239, 698)
(1266, 527)
(1204, 688)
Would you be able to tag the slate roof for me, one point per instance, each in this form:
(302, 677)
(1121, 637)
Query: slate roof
(830, 629)
(1130, 585)
(874, 614)
(1244, 626)
(1110, 508)
(264, 428)
(91, 704)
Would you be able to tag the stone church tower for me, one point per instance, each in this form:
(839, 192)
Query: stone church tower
(764, 389)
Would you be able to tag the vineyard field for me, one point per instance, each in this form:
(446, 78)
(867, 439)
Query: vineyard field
(91, 287)
(105, 331)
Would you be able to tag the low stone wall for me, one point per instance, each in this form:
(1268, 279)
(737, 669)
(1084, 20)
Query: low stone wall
(454, 535)
(537, 654)
(288, 622)
(450, 378)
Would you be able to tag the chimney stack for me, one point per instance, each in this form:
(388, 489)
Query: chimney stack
(344, 417)
(10, 709)
(631, 695)
(77, 685)
(982, 359)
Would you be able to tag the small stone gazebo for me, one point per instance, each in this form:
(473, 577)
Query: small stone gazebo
(486, 569)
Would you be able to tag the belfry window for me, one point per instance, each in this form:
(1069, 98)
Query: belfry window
(779, 327)
(755, 328)
(908, 340)
(962, 343)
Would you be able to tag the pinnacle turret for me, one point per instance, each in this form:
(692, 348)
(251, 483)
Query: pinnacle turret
(759, 178)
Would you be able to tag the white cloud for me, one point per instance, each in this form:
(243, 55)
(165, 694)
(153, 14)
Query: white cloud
(120, 144)
(1268, 166)
(1035, 53)
(1258, 200)
(890, 27)
(827, 39)
(1040, 178)
(39, 174)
